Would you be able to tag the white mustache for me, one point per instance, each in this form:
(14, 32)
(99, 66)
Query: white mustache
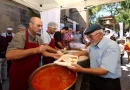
(38, 32)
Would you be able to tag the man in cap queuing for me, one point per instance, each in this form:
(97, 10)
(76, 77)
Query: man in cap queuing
(8, 35)
(58, 36)
(104, 57)
(25, 51)
(48, 39)
(21, 27)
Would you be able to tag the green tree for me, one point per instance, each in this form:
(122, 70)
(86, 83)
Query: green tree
(92, 13)
(124, 15)
(113, 9)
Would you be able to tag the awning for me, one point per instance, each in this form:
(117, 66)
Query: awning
(42, 5)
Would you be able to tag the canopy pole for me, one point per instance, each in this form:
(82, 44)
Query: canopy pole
(87, 13)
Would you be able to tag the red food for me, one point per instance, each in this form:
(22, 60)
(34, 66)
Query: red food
(53, 78)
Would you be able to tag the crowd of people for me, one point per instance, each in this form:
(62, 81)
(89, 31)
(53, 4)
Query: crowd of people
(21, 53)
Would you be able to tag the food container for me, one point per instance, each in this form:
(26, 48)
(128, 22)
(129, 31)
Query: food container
(52, 77)
(71, 51)
(66, 60)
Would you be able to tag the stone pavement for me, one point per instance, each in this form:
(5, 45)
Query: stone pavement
(125, 78)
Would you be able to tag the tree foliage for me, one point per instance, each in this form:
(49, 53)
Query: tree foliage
(124, 14)
(112, 8)
(92, 13)
(120, 10)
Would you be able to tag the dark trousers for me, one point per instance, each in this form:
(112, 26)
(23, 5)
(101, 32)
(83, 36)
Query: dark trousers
(99, 83)
(0, 86)
(122, 58)
(9, 62)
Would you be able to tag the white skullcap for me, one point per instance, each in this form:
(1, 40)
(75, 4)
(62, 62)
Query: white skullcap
(10, 29)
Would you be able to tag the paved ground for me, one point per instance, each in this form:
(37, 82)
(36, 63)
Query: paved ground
(125, 79)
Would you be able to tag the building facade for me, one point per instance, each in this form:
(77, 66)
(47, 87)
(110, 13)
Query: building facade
(12, 14)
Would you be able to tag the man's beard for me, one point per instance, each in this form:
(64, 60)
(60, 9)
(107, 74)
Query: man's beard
(94, 44)
(39, 33)
(9, 33)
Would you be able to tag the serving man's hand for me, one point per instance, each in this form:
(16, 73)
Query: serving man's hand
(59, 52)
(42, 48)
(56, 56)
(76, 67)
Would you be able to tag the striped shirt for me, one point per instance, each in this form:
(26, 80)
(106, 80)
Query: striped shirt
(66, 37)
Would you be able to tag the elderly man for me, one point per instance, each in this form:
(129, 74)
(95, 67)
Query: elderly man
(48, 39)
(25, 52)
(104, 57)
(21, 27)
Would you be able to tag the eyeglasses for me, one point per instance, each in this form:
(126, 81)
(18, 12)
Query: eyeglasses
(91, 35)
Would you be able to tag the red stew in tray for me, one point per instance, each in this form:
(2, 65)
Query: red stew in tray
(53, 77)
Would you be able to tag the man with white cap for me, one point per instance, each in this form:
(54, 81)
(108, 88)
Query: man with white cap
(48, 39)
(8, 35)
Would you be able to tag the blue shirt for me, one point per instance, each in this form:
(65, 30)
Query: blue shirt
(107, 56)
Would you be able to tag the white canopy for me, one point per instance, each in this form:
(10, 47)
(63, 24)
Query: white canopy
(89, 3)
(42, 5)
(51, 6)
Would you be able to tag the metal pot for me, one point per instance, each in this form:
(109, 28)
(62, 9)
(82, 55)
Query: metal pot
(47, 66)
(71, 51)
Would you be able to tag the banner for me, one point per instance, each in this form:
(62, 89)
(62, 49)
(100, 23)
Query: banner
(74, 25)
(51, 15)
(121, 29)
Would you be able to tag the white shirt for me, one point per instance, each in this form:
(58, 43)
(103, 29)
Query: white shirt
(6, 34)
(78, 38)
(127, 34)
(121, 48)
(46, 38)
(108, 36)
